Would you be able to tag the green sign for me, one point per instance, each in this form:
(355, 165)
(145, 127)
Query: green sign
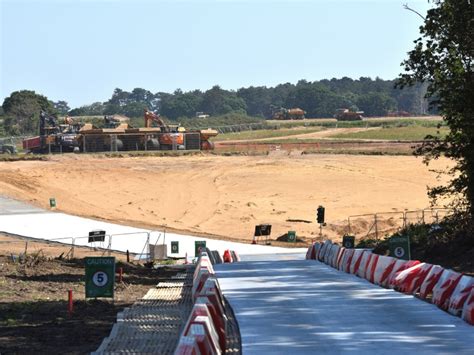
(400, 247)
(174, 247)
(100, 276)
(348, 241)
(291, 236)
(52, 202)
(199, 244)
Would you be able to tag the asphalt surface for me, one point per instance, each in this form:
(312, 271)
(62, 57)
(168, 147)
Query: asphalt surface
(289, 306)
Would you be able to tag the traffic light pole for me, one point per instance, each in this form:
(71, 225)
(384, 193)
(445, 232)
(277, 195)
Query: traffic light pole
(320, 230)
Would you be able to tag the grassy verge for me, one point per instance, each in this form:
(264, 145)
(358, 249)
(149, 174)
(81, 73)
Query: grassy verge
(270, 133)
(408, 133)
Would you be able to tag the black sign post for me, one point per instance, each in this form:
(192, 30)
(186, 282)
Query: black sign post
(348, 241)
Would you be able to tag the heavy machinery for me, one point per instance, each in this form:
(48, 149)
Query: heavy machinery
(7, 146)
(117, 135)
(344, 114)
(53, 137)
(288, 114)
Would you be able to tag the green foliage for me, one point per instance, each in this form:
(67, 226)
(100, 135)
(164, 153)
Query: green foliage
(405, 133)
(376, 104)
(232, 118)
(21, 112)
(443, 58)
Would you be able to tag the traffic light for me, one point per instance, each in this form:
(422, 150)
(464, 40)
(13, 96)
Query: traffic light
(320, 214)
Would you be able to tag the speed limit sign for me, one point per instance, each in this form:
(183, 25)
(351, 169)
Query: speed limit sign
(100, 276)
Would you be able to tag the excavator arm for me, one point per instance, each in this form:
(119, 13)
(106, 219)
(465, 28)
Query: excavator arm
(151, 117)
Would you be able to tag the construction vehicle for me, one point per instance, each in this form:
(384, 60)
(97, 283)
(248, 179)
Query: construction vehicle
(53, 137)
(344, 114)
(288, 114)
(7, 146)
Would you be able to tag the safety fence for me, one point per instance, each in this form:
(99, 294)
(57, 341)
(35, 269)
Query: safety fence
(451, 291)
(375, 225)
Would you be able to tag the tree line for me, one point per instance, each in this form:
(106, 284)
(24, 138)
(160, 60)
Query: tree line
(376, 97)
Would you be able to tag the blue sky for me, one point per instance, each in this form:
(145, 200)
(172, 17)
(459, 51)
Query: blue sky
(79, 51)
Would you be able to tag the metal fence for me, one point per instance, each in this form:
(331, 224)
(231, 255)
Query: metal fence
(376, 225)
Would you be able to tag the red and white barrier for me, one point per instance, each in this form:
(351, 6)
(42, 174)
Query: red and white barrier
(217, 313)
(340, 255)
(324, 248)
(383, 269)
(329, 254)
(468, 309)
(430, 281)
(335, 255)
(444, 288)
(356, 259)
(364, 262)
(403, 280)
(371, 266)
(460, 295)
(188, 345)
(397, 268)
(346, 260)
(308, 252)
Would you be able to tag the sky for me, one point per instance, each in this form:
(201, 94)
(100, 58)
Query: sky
(81, 50)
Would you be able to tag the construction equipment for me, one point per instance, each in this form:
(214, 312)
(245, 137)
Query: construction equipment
(7, 146)
(288, 114)
(344, 114)
(53, 137)
(117, 135)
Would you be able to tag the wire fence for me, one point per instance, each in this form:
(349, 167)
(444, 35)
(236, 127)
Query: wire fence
(379, 224)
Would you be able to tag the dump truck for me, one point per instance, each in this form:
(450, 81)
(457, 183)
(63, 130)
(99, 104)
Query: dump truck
(344, 114)
(288, 114)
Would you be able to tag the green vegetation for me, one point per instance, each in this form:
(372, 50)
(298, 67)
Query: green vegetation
(443, 57)
(408, 133)
(248, 135)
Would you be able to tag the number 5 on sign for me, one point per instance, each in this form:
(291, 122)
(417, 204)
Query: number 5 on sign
(100, 276)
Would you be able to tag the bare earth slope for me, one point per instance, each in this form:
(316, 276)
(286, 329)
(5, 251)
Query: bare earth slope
(225, 196)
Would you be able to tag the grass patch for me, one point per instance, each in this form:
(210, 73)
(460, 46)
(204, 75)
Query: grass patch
(20, 157)
(270, 133)
(409, 133)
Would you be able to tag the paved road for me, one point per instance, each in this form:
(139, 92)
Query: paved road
(303, 306)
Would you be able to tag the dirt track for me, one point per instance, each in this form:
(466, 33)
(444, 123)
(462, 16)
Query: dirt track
(225, 196)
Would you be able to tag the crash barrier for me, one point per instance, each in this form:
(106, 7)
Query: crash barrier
(205, 329)
(449, 290)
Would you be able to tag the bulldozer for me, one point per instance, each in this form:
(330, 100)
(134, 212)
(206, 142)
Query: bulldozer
(288, 114)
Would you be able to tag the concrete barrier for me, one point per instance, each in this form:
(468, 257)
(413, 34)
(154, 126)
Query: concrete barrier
(217, 313)
(364, 262)
(444, 288)
(399, 266)
(188, 345)
(324, 248)
(334, 254)
(346, 260)
(356, 259)
(460, 295)
(383, 269)
(340, 255)
(370, 271)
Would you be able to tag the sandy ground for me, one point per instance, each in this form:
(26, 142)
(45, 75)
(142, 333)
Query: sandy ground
(223, 196)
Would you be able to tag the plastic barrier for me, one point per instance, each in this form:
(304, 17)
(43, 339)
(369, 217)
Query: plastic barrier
(371, 266)
(430, 281)
(346, 260)
(218, 317)
(403, 280)
(328, 254)
(309, 251)
(364, 261)
(335, 253)
(444, 288)
(460, 295)
(356, 259)
(200, 280)
(188, 345)
(208, 331)
(340, 255)
(227, 257)
(323, 250)
(468, 309)
(383, 269)
(399, 266)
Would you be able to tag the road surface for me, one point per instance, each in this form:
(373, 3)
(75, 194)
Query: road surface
(304, 306)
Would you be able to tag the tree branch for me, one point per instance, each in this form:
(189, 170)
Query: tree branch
(406, 7)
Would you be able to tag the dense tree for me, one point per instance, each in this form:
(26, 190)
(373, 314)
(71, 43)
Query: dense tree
(21, 112)
(217, 101)
(95, 109)
(443, 58)
(376, 104)
(61, 107)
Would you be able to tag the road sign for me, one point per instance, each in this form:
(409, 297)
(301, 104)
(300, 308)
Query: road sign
(263, 229)
(96, 236)
(199, 244)
(348, 241)
(174, 247)
(291, 236)
(100, 276)
(52, 202)
(400, 247)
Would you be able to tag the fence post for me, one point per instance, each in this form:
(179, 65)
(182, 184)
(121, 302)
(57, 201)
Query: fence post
(376, 227)
(109, 247)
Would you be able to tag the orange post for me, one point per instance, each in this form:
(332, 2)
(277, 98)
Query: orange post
(70, 304)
